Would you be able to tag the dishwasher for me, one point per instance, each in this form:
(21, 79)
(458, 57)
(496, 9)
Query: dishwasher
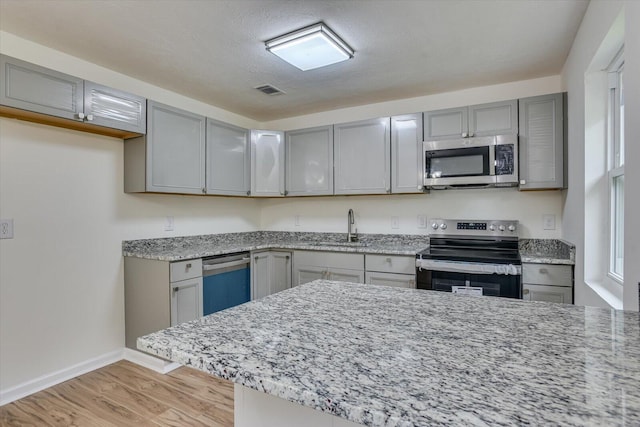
(226, 281)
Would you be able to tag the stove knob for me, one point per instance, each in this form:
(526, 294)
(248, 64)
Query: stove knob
(501, 228)
(492, 227)
(443, 226)
(434, 226)
(512, 227)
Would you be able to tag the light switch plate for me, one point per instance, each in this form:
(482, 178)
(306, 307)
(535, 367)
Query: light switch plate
(422, 221)
(6, 228)
(395, 222)
(548, 222)
(297, 220)
(169, 223)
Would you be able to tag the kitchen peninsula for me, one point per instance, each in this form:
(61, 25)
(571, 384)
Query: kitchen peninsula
(382, 356)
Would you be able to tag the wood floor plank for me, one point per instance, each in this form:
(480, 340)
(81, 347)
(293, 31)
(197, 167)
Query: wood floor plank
(126, 394)
(55, 411)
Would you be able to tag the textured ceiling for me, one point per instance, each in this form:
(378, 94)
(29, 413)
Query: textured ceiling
(213, 50)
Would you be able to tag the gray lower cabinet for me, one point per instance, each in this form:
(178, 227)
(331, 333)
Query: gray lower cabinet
(542, 149)
(160, 294)
(390, 270)
(407, 164)
(362, 157)
(228, 163)
(270, 272)
(170, 158)
(313, 265)
(309, 161)
(40, 90)
(267, 163)
(496, 118)
(547, 282)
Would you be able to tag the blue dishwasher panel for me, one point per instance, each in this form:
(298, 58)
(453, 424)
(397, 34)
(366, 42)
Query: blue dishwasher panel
(225, 290)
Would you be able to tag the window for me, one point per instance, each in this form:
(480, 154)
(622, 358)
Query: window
(615, 142)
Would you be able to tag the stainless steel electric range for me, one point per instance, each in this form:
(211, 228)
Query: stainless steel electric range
(478, 257)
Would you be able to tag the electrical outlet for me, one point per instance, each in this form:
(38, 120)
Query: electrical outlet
(422, 221)
(395, 222)
(548, 222)
(297, 220)
(168, 224)
(6, 228)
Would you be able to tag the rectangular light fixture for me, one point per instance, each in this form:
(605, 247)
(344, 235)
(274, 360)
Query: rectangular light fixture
(310, 47)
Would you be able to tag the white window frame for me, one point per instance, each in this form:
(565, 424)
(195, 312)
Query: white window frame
(615, 161)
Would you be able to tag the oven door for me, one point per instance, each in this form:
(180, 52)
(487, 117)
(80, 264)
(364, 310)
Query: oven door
(460, 162)
(499, 280)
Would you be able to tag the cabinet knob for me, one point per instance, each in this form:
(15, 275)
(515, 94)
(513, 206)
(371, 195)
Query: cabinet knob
(388, 260)
(80, 116)
(525, 291)
(543, 271)
(419, 187)
(464, 134)
(90, 117)
(176, 289)
(471, 134)
(523, 182)
(204, 191)
(248, 193)
(188, 266)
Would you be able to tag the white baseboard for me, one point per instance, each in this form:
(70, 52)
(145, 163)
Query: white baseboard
(155, 364)
(49, 380)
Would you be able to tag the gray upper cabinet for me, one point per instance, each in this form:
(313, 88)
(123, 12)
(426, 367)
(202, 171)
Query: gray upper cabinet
(228, 161)
(406, 154)
(446, 124)
(42, 91)
(104, 106)
(362, 157)
(267, 163)
(496, 118)
(542, 146)
(171, 157)
(309, 161)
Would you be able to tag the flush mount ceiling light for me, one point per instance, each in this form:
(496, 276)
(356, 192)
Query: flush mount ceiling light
(310, 47)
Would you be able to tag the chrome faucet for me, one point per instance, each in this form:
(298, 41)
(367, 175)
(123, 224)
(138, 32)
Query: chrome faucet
(351, 236)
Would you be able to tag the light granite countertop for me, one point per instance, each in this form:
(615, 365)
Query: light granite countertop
(547, 251)
(190, 247)
(384, 356)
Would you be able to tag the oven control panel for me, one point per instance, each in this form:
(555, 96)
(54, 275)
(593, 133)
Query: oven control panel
(461, 227)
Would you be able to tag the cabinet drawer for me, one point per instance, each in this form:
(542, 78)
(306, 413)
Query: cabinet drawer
(390, 279)
(559, 294)
(546, 274)
(183, 270)
(391, 264)
(330, 259)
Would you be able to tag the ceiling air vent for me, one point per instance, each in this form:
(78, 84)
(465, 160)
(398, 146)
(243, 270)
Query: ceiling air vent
(269, 90)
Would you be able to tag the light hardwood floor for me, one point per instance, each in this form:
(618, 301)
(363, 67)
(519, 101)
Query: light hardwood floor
(125, 394)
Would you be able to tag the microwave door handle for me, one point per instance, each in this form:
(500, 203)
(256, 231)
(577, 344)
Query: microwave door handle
(492, 160)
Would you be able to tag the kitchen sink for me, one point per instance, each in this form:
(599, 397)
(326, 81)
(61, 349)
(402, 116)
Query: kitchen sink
(340, 243)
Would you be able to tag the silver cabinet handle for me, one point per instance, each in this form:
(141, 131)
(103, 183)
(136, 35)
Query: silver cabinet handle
(176, 289)
(248, 193)
(525, 291)
(80, 116)
(90, 117)
(523, 182)
(204, 190)
(188, 266)
(544, 271)
(464, 134)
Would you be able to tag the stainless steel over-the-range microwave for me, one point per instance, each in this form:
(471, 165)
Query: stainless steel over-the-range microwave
(488, 161)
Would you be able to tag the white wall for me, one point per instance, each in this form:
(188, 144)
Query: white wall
(61, 277)
(599, 33)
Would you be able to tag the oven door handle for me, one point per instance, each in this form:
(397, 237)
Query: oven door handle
(469, 267)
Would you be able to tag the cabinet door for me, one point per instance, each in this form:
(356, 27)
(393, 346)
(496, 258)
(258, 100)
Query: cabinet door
(497, 118)
(308, 273)
(175, 150)
(228, 161)
(559, 294)
(112, 108)
(309, 154)
(361, 154)
(267, 163)
(446, 124)
(280, 274)
(390, 279)
(38, 89)
(542, 151)
(407, 164)
(346, 275)
(260, 275)
(186, 301)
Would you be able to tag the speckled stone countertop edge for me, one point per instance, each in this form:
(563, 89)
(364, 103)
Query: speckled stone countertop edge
(532, 259)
